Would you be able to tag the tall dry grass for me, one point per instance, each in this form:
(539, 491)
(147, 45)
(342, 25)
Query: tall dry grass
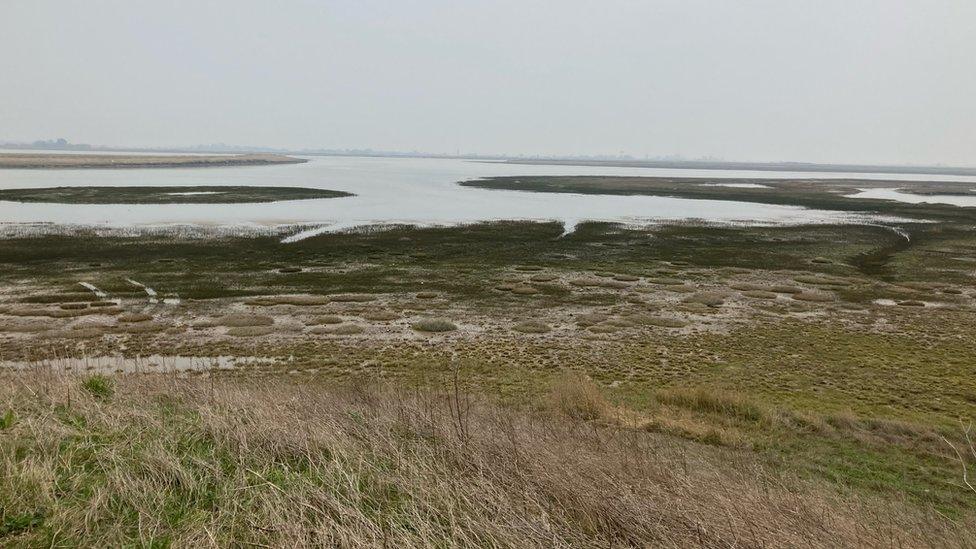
(157, 461)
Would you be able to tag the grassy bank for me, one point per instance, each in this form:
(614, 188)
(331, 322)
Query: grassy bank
(157, 461)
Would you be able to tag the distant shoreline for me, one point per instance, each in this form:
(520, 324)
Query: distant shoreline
(41, 161)
(752, 166)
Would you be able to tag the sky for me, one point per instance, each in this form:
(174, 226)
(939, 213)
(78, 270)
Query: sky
(860, 81)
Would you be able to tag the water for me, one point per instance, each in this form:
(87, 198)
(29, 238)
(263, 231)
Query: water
(398, 190)
(153, 364)
(965, 201)
(737, 185)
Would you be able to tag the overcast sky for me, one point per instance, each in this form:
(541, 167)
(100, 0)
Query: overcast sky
(820, 80)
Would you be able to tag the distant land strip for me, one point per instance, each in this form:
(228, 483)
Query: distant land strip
(752, 166)
(115, 161)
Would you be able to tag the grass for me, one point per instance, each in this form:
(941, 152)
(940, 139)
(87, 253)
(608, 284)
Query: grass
(178, 462)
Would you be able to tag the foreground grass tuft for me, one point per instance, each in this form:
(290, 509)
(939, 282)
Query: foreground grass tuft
(577, 397)
(99, 387)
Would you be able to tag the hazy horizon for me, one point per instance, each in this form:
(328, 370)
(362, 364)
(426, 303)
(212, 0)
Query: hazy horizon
(872, 82)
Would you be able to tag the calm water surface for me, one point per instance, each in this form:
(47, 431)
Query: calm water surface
(399, 190)
(964, 201)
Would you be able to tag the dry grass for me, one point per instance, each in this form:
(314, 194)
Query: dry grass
(156, 461)
(713, 401)
(577, 396)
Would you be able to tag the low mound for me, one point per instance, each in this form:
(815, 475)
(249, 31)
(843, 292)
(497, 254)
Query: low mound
(589, 319)
(710, 299)
(666, 281)
(381, 316)
(434, 325)
(531, 327)
(785, 289)
(354, 298)
(249, 331)
(759, 294)
(341, 329)
(237, 320)
(660, 321)
(813, 296)
(823, 280)
(296, 300)
(524, 289)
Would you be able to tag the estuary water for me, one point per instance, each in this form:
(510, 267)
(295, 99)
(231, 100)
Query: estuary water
(418, 191)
